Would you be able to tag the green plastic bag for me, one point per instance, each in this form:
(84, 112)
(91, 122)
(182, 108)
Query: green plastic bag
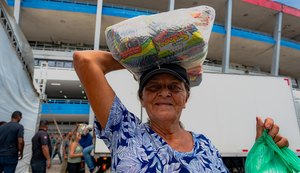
(266, 157)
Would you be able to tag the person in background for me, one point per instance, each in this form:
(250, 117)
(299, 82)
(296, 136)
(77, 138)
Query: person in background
(41, 150)
(89, 159)
(11, 143)
(86, 142)
(53, 142)
(161, 144)
(65, 150)
(56, 150)
(75, 154)
(86, 138)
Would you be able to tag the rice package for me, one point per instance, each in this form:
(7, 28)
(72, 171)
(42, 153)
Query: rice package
(179, 36)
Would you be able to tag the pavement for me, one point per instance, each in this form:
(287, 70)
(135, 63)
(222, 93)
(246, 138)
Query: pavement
(55, 167)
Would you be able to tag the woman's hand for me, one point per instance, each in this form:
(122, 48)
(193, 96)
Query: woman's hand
(273, 131)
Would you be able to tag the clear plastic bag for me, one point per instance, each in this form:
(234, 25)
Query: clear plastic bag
(180, 36)
(266, 157)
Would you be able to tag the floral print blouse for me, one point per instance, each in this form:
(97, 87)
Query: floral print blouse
(135, 147)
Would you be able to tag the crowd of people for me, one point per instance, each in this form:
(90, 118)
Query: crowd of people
(73, 148)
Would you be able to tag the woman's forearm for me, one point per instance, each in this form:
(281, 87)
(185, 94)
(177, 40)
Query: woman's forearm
(91, 67)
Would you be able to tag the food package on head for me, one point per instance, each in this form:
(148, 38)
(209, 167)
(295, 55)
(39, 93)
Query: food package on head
(179, 36)
(84, 129)
(131, 44)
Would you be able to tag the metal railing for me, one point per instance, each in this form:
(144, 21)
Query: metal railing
(64, 47)
(94, 3)
(81, 2)
(4, 20)
(67, 101)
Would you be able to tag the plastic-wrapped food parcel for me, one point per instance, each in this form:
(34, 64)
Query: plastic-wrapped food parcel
(180, 36)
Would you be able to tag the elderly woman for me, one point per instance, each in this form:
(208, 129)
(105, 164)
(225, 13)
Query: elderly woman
(162, 144)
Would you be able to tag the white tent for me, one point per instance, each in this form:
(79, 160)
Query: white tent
(17, 88)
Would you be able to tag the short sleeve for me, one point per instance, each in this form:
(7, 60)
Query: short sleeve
(44, 138)
(120, 123)
(21, 132)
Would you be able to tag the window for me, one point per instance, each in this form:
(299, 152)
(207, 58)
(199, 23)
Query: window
(68, 64)
(51, 63)
(59, 64)
(37, 62)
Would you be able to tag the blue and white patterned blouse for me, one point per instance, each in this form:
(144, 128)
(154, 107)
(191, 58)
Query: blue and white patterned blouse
(135, 147)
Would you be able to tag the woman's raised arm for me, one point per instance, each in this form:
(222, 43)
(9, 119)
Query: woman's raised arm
(91, 67)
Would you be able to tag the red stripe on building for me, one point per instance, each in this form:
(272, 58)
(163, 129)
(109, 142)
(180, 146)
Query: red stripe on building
(265, 3)
(287, 80)
(291, 11)
(275, 6)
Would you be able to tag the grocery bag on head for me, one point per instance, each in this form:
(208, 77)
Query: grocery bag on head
(84, 129)
(179, 36)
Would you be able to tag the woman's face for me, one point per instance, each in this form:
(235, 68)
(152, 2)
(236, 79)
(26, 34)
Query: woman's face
(78, 136)
(164, 96)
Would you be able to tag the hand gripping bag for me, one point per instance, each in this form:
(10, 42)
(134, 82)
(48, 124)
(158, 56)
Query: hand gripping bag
(266, 157)
(179, 36)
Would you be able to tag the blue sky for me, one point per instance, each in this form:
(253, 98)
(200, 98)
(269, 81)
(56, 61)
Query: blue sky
(291, 3)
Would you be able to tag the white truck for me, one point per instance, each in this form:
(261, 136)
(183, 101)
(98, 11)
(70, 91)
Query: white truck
(224, 108)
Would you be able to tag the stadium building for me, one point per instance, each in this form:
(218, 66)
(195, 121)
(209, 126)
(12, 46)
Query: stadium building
(251, 37)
